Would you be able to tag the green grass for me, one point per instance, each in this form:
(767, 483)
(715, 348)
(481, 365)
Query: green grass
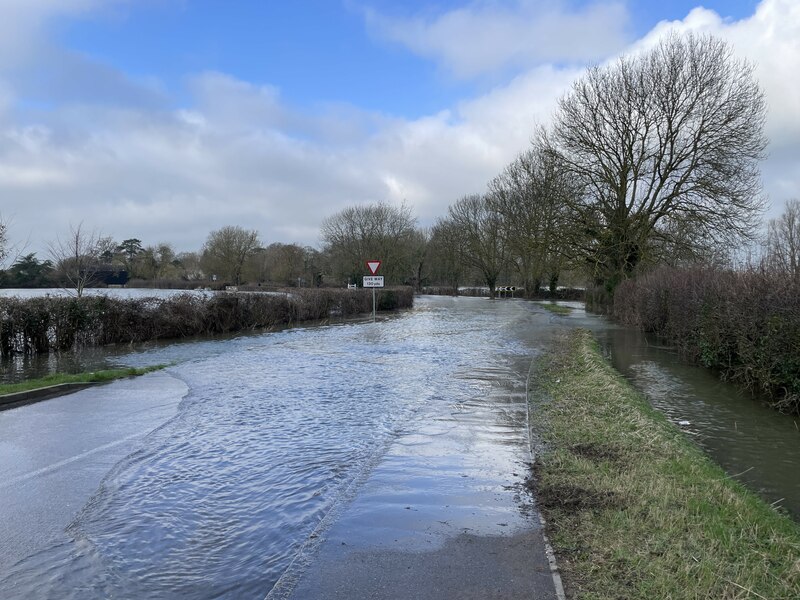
(58, 378)
(556, 308)
(634, 509)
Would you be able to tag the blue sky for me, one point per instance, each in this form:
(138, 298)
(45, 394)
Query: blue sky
(166, 119)
(314, 51)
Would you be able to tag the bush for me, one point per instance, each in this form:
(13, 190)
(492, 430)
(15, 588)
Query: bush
(47, 324)
(745, 325)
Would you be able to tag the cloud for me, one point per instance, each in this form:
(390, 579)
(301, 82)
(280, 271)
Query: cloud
(486, 37)
(235, 152)
(23, 24)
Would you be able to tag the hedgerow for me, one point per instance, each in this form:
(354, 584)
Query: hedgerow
(54, 323)
(743, 324)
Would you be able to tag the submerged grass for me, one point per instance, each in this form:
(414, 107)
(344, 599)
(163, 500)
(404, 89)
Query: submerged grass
(59, 378)
(556, 308)
(635, 510)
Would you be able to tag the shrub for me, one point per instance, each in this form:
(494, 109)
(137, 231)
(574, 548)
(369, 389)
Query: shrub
(745, 325)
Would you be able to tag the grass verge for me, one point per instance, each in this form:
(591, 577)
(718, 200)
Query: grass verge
(556, 308)
(58, 378)
(635, 510)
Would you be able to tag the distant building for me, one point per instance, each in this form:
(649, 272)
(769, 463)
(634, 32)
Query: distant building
(110, 275)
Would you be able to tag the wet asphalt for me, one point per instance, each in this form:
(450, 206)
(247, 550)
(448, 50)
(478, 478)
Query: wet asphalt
(444, 515)
(56, 453)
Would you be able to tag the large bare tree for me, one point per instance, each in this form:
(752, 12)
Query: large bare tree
(531, 195)
(444, 255)
(665, 141)
(477, 230)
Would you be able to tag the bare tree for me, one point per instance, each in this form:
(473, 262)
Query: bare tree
(226, 251)
(374, 231)
(278, 263)
(783, 241)
(77, 257)
(418, 256)
(188, 264)
(660, 140)
(9, 252)
(444, 254)
(478, 234)
(531, 195)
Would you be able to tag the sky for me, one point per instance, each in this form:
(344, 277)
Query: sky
(163, 120)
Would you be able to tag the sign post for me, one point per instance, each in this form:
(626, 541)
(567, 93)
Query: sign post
(373, 281)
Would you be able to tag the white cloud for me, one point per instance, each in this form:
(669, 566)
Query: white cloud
(23, 24)
(484, 37)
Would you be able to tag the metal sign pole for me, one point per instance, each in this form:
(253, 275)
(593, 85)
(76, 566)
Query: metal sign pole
(373, 305)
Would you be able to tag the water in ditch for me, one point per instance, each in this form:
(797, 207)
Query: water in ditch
(755, 444)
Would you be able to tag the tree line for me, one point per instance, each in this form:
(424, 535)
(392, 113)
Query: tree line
(652, 159)
(231, 255)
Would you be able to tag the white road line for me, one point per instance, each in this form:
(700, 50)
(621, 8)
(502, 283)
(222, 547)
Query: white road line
(67, 461)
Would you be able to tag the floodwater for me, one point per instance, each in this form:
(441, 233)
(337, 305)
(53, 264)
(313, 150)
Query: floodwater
(406, 434)
(754, 443)
(21, 366)
(274, 436)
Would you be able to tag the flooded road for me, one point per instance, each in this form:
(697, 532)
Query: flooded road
(304, 434)
(316, 461)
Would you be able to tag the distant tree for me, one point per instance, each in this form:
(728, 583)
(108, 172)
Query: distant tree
(129, 249)
(378, 231)
(418, 256)
(8, 252)
(156, 262)
(285, 263)
(77, 258)
(3, 240)
(445, 255)
(188, 265)
(313, 266)
(29, 272)
(477, 230)
(226, 251)
(783, 241)
(664, 141)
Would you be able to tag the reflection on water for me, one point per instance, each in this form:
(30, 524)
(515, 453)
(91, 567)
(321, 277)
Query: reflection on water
(751, 441)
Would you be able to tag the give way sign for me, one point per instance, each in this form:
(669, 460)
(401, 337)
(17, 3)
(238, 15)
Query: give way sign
(373, 266)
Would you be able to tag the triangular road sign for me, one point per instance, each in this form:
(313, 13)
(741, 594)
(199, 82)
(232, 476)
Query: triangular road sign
(373, 266)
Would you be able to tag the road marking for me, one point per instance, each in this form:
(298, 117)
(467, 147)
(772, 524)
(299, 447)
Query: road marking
(67, 461)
